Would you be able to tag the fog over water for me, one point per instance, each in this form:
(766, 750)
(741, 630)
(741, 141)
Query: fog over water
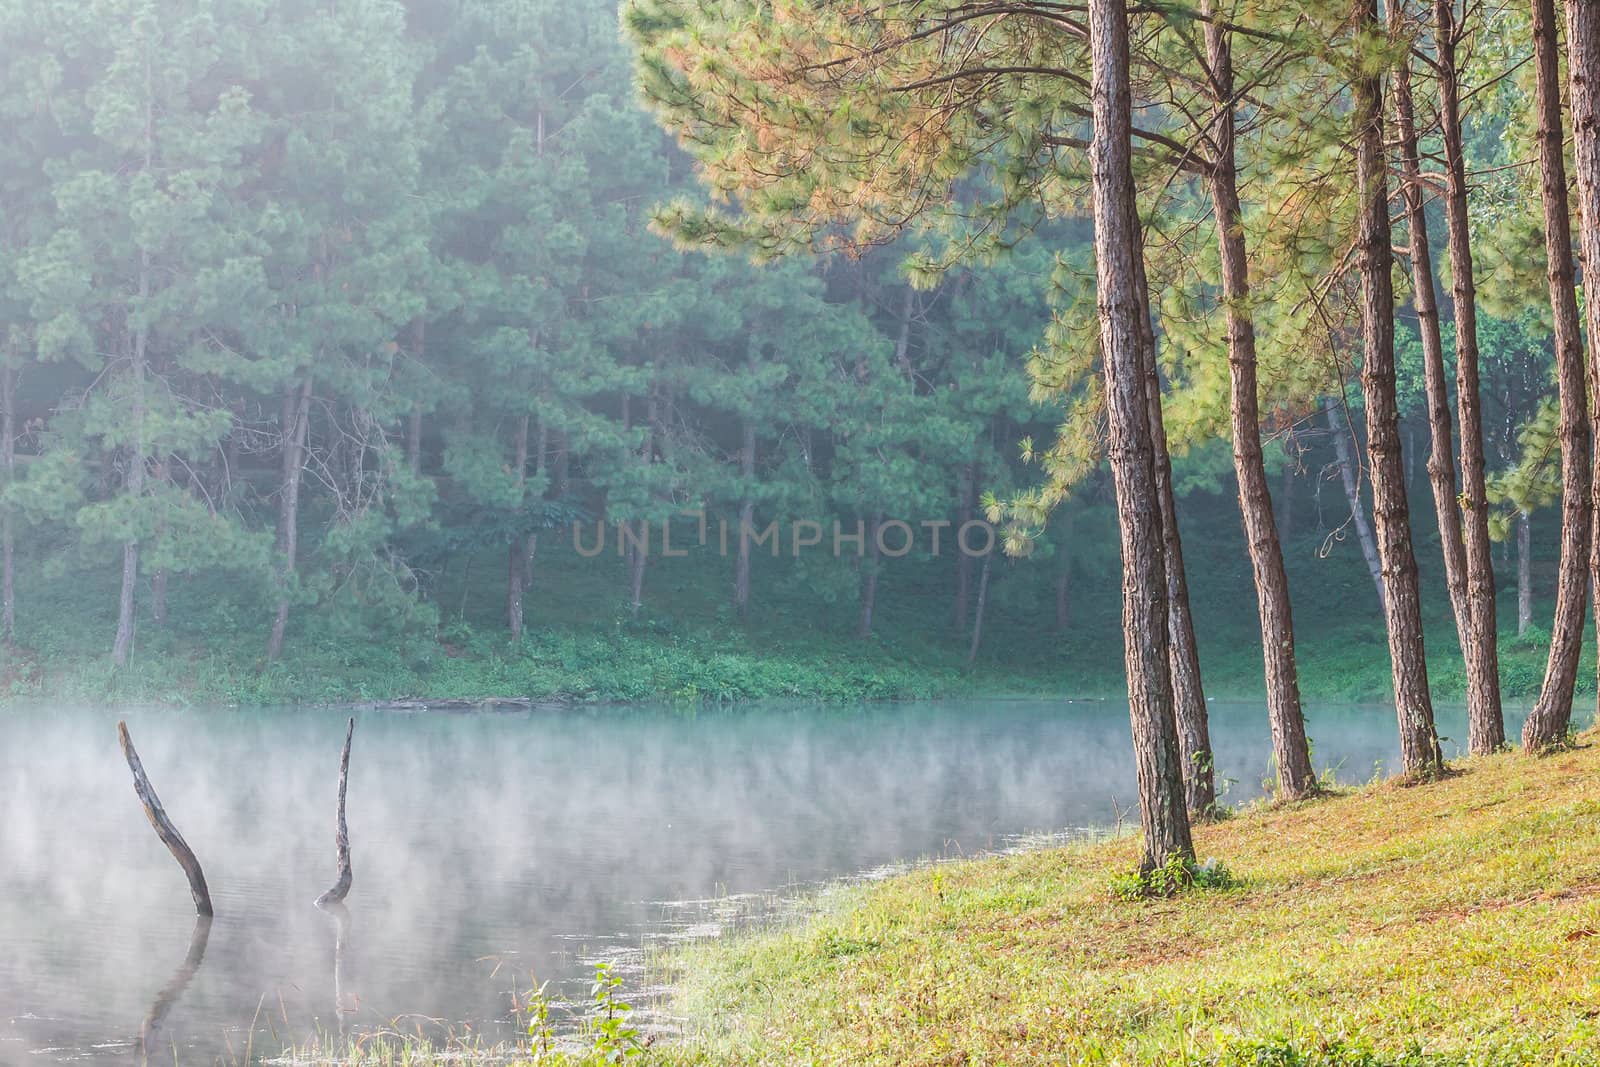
(490, 847)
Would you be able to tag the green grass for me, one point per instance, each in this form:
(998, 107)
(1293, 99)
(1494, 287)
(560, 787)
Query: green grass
(1450, 923)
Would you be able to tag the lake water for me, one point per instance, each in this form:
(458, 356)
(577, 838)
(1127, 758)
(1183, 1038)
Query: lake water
(491, 847)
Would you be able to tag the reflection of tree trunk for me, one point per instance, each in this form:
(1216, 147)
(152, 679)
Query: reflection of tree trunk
(747, 512)
(1123, 302)
(1524, 579)
(1342, 438)
(1419, 741)
(341, 937)
(169, 994)
(341, 834)
(296, 427)
(1486, 730)
(167, 832)
(1547, 722)
(977, 615)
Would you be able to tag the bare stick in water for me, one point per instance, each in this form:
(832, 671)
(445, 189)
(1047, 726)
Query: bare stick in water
(341, 839)
(164, 829)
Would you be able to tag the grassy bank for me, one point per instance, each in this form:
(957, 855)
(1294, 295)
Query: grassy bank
(1452, 923)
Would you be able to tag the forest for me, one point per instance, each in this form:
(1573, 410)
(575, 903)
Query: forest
(790, 433)
(332, 335)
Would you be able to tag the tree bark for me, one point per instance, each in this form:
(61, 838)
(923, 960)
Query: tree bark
(977, 614)
(1441, 457)
(1524, 577)
(341, 833)
(747, 514)
(1343, 439)
(1122, 304)
(165, 830)
(1547, 723)
(1291, 751)
(1419, 742)
(517, 552)
(1486, 729)
(1188, 695)
(296, 426)
(869, 577)
(414, 421)
(1286, 490)
(122, 646)
(969, 502)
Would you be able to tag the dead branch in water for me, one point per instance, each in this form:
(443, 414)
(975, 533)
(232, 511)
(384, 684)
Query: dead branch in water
(341, 839)
(164, 829)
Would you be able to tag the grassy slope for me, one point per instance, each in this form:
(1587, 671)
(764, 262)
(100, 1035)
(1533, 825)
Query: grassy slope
(1457, 922)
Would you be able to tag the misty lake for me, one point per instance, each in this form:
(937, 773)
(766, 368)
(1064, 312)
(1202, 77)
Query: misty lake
(494, 848)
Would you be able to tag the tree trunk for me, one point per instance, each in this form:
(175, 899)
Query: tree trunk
(977, 615)
(8, 471)
(296, 426)
(1343, 440)
(1286, 491)
(1188, 696)
(1486, 729)
(869, 577)
(1485, 715)
(969, 502)
(517, 551)
(1552, 712)
(1122, 304)
(747, 514)
(1419, 742)
(1524, 578)
(1441, 457)
(1291, 752)
(158, 597)
(414, 422)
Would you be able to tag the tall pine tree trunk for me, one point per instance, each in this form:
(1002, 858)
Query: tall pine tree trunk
(1419, 741)
(1291, 752)
(122, 647)
(1552, 713)
(1188, 696)
(1344, 445)
(747, 514)
(1441, 457)
(1583, 68)
(296, 427)
(1123, 304)
(1486, 730)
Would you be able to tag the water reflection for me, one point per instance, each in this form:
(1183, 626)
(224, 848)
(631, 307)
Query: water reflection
(498, 847)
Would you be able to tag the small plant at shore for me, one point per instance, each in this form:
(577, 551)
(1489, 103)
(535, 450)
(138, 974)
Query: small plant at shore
(1171, 878)
(612, 1039)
